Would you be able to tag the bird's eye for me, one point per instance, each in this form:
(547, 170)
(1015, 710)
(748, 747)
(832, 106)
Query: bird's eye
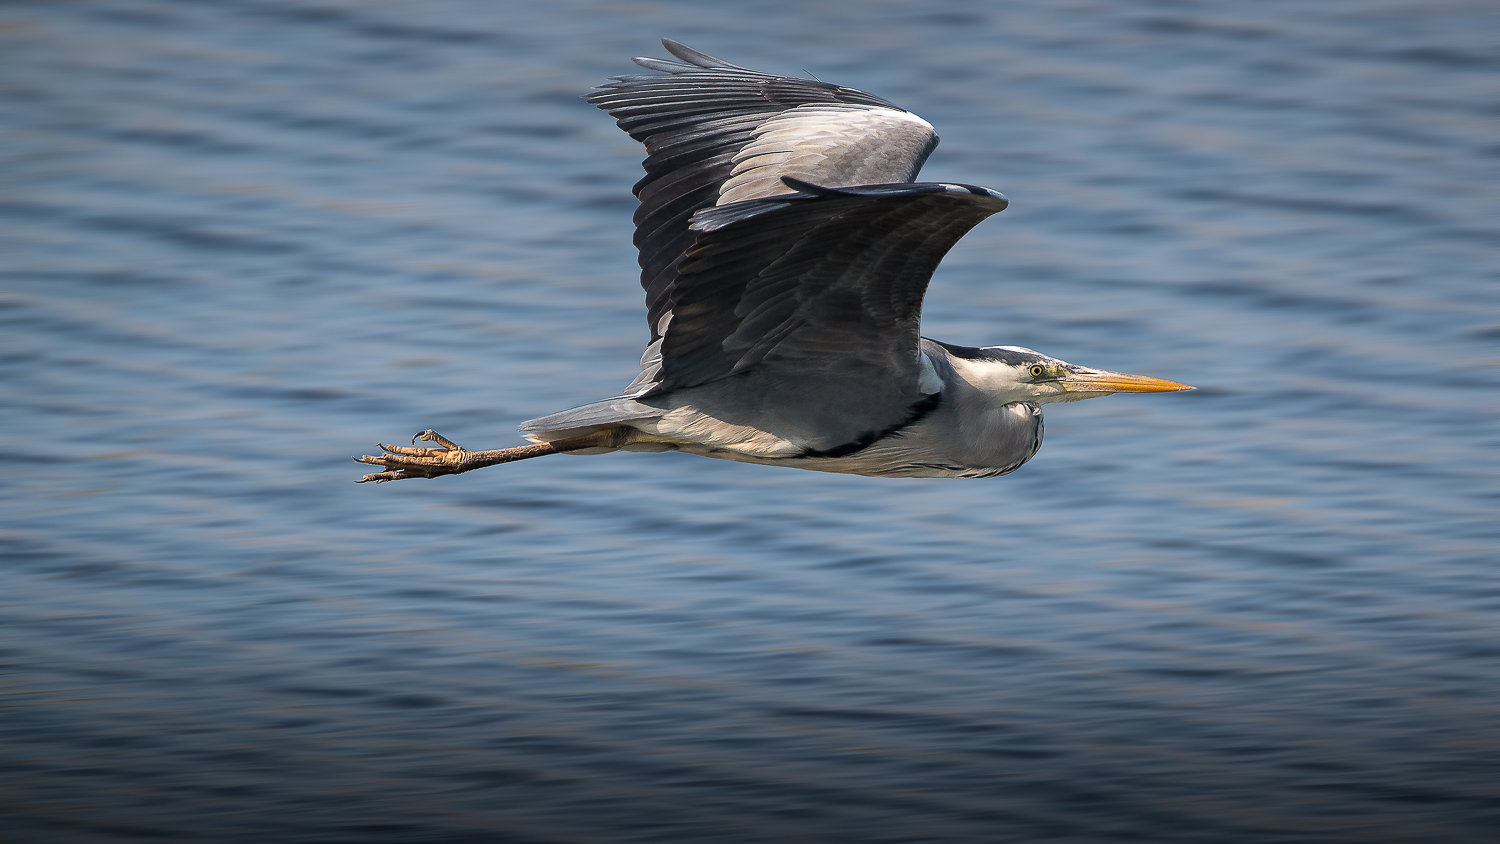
(1037, 370)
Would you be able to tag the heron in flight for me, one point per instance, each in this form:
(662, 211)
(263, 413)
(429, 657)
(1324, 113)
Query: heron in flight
(785, 250)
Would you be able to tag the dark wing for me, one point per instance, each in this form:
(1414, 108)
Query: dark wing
(716, 133)
(815, 297)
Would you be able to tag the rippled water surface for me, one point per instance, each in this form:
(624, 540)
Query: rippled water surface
(241, 241)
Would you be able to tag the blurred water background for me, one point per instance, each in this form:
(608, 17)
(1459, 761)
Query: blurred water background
(244, 240)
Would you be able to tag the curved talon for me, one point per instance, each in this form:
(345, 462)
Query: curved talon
(400, 461)
(432, 436)
(382, 477)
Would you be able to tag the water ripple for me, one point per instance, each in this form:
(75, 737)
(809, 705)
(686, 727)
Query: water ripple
(245, 240)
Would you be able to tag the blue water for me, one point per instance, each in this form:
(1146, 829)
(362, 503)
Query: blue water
(241, 241)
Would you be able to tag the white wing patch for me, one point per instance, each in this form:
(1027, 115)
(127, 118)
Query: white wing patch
(831, 145)
(929, 381)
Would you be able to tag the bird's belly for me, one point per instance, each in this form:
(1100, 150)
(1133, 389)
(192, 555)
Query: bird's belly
(895, 456)
(873, 464)
(686, 429)
(898, 456)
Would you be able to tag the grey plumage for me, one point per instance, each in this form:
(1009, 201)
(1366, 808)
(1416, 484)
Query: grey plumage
(784, 254)
(700, 119)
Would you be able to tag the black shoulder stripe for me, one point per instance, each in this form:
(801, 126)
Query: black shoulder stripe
(914, 415)
(965, 352)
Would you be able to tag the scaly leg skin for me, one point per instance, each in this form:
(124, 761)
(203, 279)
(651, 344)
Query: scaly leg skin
(401, 462)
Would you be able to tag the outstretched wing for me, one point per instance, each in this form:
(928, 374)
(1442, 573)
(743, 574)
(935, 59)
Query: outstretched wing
(716, 133)
(815, 295)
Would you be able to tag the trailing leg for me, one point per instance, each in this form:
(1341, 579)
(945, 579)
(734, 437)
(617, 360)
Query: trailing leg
(401, 462)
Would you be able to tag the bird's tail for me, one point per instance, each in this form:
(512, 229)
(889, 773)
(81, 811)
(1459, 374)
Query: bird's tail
(588, 419)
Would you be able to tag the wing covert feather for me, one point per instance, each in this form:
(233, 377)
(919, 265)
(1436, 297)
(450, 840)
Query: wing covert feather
(814, 281)
(717, 133)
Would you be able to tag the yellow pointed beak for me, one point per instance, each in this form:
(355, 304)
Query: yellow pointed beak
(1084, 380)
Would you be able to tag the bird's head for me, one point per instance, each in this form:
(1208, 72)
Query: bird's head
(1014, 374)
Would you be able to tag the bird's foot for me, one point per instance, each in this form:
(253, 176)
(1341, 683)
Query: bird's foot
(401, 462)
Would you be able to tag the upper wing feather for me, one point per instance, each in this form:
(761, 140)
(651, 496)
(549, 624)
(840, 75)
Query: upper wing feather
(716, 133)
(815, 293)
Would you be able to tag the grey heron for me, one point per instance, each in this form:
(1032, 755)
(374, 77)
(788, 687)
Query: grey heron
(785, 251)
